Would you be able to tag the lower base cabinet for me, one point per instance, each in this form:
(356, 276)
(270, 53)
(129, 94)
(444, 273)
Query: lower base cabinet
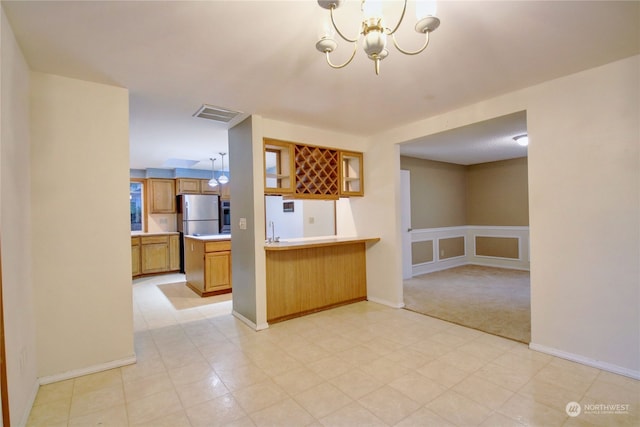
(208, 266)
(155, 254)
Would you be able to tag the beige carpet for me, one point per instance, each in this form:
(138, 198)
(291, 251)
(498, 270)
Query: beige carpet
(493, 300)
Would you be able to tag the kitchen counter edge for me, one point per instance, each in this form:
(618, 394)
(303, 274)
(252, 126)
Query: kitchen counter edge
(315, 243)
(210, 238)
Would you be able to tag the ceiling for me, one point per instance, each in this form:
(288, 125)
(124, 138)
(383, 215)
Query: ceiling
(259, 57)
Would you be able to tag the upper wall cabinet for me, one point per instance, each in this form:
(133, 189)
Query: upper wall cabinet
(195, 186)
(351, 182)
(187, 186)
(161, 196)
(278, 167)
(311, 172)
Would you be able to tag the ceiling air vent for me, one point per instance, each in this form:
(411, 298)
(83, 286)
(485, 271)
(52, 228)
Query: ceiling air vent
(217, 114)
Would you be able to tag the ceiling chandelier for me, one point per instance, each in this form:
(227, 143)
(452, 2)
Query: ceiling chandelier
(374, 32)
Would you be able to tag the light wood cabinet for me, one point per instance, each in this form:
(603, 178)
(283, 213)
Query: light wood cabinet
(206, 189)
(174, 252)
(225, 191)
(279, 167)
(217, 271)
(351, 170)
(135, 256)
(161, 196)
(310, 172)
(187, 186)
(208, 266)
(155, 254)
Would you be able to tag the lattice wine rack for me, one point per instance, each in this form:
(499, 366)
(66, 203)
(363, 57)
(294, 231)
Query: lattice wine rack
(317, 173)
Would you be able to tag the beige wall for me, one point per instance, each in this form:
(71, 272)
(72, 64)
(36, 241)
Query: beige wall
(79, 197)
(497, 193)
(450, 195)
(451, 247)
(584, 195)
(438, 193)
(15, 223)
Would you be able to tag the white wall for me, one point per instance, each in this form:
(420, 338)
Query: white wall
(80, 218)
(310, 218)
(15, 223)
(584, 203)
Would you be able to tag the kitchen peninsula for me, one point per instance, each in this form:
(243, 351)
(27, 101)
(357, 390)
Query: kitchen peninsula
(208, 264)
(314, 274)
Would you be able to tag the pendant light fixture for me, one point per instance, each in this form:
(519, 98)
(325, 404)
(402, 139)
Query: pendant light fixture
(223, 179)
(522, 140)
(213, 182)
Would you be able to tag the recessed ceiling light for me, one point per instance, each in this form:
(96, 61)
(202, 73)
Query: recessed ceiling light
(522, 139)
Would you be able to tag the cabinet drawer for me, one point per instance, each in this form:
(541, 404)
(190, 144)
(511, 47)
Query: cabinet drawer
(224, 245)
(135, 241)
(154, 239)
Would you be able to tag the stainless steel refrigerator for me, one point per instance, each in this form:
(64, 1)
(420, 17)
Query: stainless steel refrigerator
(198, 214)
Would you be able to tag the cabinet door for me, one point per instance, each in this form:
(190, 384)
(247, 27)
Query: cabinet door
(351, 178)
(135, 257)
(217, 270)
(162, 196)
(225, 192)
(187, 186)
(174, 253)
(155, 257)
(205, 188)
(279, 167)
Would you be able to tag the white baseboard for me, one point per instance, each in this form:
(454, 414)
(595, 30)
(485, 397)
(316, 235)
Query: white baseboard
(609, 367)
(498, 265)
(385, 302)
(250, 323)
(30, 402)
(88, 370)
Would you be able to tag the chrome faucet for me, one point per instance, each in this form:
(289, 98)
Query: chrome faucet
(273, 237)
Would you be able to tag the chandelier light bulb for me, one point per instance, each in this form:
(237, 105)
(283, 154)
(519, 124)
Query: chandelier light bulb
(372, 9)
(426, 8)
(374, 43)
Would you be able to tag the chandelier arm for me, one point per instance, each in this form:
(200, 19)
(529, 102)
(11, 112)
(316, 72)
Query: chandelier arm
(406, 52)
(355, 48)
(336, 27)
(404, 10)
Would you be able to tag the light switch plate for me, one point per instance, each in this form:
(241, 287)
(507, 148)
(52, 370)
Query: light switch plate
(242, 223)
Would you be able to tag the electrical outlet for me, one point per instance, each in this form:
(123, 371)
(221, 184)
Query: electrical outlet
(242, 223)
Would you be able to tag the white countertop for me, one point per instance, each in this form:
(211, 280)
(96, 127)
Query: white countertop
(308, 242)
(210, 237)
(157, 233)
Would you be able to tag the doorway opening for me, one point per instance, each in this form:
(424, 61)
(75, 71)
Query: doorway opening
(466, 236)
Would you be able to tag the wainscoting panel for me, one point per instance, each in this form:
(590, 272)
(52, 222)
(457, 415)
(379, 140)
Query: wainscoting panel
(447, 247)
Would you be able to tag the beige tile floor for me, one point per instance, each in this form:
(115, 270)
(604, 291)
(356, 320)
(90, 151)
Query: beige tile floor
(359, 365)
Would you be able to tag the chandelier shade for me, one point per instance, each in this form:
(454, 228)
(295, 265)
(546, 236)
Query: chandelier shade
(374, 32)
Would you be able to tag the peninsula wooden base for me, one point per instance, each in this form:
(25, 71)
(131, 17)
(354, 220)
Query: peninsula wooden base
(307, 278)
